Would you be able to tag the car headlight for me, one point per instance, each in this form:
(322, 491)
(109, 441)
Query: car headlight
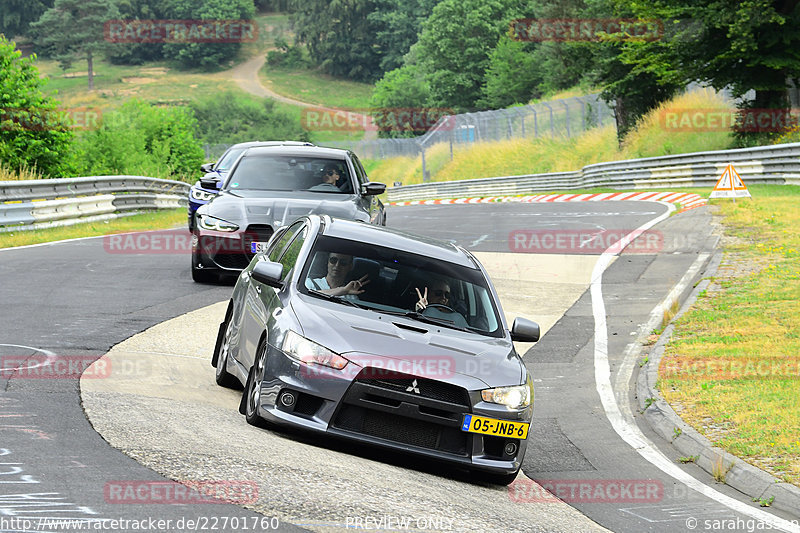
(216, 224)
(200, 194)
(298, 347)
(515, 397)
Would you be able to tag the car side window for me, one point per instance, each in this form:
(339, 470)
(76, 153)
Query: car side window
(360, 172)
(280, 244)
(289, 257)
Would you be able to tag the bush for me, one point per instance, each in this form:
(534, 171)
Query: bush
(33, 133)
(229, 118)
(144, 140)
(287, 55)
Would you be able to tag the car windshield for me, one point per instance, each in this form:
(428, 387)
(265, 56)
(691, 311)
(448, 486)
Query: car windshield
(290, 173)
(395, 282)
(228, 159)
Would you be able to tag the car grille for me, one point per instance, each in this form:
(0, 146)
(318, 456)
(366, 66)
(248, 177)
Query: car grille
(385, 409)
(239, 259)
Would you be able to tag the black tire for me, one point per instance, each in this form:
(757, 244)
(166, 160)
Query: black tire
(252, 390)
(222, 376)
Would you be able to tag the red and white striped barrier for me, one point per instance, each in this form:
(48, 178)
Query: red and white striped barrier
(686, 201)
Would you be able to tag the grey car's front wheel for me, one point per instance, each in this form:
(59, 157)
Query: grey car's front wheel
(252, 391)
(222, 376)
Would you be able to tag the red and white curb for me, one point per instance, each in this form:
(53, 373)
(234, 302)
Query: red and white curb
(685, 200)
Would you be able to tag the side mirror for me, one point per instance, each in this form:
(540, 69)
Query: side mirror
(210, 183)
(524, 330)
(268, 273)
(373, 188)
(207, 167)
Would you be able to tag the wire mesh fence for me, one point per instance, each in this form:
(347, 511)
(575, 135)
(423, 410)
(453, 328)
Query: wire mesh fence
(556, 118)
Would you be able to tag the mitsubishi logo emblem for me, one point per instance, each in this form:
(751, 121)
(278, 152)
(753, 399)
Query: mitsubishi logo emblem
(413, 387)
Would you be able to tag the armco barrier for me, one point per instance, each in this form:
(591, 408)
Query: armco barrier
(777, 164)
(34, 204)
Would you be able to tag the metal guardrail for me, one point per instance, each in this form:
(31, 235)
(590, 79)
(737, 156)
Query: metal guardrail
(35, 204)
(777, 164)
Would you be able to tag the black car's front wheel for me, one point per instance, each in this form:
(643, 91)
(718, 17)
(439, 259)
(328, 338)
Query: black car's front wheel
(252, 391)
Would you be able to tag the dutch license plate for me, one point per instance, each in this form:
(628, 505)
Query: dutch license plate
(258, 247)
(495, 427)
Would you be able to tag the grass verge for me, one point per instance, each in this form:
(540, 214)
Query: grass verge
(310, 85)
(168, 218)
(732, 366)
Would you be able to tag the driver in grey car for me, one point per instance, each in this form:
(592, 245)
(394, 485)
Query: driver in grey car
(434, 301)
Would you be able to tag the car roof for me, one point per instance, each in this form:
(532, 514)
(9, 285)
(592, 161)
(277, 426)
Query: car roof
(396, 239)
(300, 150)
(250, 144)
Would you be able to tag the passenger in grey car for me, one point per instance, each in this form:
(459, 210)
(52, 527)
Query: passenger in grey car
(335, 282)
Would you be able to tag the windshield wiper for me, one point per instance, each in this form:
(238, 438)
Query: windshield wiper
(338, 299)
(427, 319)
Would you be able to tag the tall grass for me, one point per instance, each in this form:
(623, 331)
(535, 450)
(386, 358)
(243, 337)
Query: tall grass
(25, 173)
(559, 154)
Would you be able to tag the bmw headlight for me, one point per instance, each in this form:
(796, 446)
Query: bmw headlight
(515, 397)
(216, 224)
(298, 347)
(201, 195)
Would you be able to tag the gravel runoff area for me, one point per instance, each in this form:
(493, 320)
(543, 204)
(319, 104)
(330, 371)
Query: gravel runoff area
(160, 405)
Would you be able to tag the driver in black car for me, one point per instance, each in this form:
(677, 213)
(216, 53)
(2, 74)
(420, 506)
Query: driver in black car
(434, 301)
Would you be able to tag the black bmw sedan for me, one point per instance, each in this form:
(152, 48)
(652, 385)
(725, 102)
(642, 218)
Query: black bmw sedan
(269, 187)
(379, 336)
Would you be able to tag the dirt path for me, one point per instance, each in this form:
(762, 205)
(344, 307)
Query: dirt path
(246, 76)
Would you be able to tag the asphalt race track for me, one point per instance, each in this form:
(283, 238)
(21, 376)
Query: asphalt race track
(77, 300)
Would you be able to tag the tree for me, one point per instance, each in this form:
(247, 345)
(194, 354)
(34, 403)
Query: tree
(73, 29)
(401, 89)
(16, 15)
(752, 44)
(512, 76)
(339, 36)
(205, 54)
(397, 25)
(32, 131)
(455, 45)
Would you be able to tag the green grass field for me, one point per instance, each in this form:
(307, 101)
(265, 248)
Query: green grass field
(732, 367)
(168, 218)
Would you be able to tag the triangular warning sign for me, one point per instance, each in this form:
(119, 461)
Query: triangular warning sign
(730, 185)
